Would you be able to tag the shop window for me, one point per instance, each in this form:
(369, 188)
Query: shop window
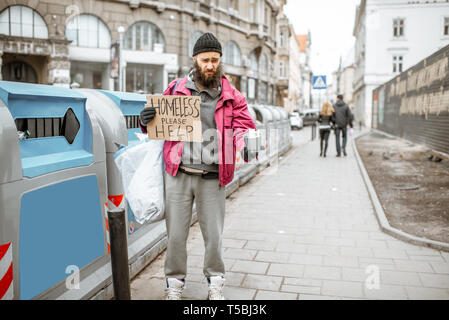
(89, 74)
(144, 79)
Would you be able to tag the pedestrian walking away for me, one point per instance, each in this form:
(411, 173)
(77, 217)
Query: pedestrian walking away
(343, 118)
(199, 171)
(326, 121)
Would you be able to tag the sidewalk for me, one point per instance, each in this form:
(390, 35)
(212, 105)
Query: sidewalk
(308, 231)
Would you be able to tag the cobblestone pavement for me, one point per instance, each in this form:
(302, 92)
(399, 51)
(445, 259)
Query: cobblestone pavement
(307, 230)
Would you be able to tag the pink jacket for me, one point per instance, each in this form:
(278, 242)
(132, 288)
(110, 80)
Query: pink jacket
(233, 121)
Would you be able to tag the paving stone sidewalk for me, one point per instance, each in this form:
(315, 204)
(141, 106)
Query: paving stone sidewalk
(306, 229)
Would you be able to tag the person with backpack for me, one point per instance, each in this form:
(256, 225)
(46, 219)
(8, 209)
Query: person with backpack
(199, 171)
(343, 118)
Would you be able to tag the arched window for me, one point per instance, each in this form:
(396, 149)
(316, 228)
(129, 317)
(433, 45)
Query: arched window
(253, 63)
(19, 71)
(144, 36)
(21, 21)
(193, 39)
(86, 30)
(232, 54)
(263, 64)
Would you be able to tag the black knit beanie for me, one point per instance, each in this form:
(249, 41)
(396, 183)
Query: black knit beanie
(207, 42)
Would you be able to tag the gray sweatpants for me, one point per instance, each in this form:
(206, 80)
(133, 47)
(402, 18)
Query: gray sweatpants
(209, 196)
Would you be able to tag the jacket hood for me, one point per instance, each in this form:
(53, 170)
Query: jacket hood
(340, 103)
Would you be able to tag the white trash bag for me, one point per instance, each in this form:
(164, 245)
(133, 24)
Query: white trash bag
(142, 168)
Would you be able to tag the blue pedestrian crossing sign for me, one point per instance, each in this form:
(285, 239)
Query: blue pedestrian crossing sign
(319, 82)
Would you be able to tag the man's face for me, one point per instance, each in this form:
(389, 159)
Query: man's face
(208, 63)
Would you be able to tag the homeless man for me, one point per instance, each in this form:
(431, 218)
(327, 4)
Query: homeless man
(200, 170)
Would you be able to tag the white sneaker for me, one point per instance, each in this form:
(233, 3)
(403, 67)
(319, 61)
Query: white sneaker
(174, 289)
(216, 285)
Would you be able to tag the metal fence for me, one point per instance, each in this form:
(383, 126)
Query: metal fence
(415, 104)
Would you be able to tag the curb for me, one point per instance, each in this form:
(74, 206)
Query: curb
(380, 214)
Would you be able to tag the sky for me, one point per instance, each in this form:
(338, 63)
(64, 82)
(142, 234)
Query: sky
(331, 23)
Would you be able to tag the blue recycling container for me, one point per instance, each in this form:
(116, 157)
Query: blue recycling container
(52, 188)
(130, 104)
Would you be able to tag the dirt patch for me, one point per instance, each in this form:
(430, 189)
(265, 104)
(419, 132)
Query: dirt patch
(413, 191)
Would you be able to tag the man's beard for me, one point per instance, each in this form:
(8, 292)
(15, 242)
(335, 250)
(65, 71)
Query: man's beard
(208, 81)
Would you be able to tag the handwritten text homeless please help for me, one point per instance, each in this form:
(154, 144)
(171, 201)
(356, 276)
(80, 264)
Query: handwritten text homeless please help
(177, 118)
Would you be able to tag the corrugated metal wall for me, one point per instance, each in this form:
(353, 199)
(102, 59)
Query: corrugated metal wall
(415, 104)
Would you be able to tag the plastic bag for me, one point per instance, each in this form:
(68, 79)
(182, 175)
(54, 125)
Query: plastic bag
(141, 167)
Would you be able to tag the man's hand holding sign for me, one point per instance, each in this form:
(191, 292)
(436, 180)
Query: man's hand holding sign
(176, 118)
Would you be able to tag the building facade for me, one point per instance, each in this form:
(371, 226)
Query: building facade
(305, 52)
(283, 33)
(294, 74)
(343, 79)
(390, 38)
(68, 43)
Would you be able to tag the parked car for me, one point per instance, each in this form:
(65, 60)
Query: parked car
(310, 116)
(295, 121)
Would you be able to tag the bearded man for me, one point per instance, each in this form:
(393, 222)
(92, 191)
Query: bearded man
(199, 171)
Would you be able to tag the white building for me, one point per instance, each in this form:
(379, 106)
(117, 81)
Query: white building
(346, 80)
(342, 80)
(391, 36)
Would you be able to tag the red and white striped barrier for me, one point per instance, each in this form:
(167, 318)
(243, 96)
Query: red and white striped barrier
(6, 283)
(106, 207)
(115, 201)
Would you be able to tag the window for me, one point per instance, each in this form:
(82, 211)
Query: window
(144, 36)
(281, 39)
(144, 78)
(193, 39)
(252, 11)
(89, 74)
(264, 64)
(234, 4)
(446, 26)
(282, 69)
(86, 30)
(21, 21)
(266, 15)
(263, 93)
(19, 71)
(398, 28)
(253, 63)
(397, 63)
(251, 88)
(232, 54)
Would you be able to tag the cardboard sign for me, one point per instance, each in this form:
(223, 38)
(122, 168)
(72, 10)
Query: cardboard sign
(177, 118)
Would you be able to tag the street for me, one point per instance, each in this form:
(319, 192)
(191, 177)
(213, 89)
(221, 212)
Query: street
(286, 239)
